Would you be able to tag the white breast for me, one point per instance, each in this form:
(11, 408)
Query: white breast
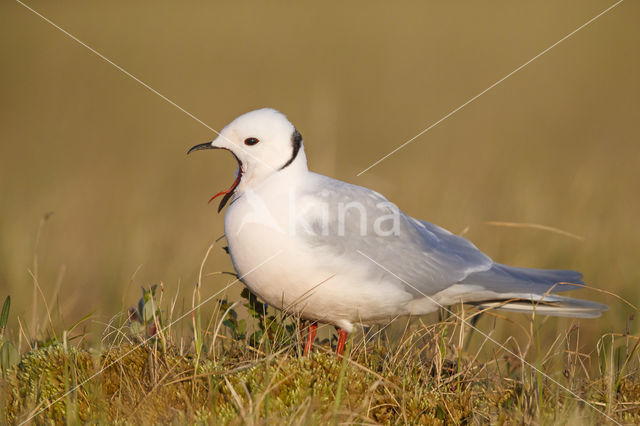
(285, 271)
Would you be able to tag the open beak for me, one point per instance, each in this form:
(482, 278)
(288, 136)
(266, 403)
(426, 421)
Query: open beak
(206, 145)
(229, 192)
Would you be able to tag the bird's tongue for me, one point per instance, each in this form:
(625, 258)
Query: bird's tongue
(231, 188)
(229, 192)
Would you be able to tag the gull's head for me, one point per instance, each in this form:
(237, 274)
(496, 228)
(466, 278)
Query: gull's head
(263, 142)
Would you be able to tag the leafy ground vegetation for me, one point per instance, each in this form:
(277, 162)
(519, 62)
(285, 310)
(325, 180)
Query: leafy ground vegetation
(246, 366)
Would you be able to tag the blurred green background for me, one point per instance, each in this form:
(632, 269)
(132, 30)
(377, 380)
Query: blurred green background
(556, 144)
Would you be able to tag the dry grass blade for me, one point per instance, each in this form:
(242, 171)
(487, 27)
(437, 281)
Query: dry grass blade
(535, 226)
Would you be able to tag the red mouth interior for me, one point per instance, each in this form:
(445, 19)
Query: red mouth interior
(229, 192)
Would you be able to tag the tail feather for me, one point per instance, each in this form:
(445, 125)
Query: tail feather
(509, 279)
(557, 306)
(530, 290)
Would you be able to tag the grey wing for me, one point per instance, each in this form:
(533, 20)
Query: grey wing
(512, 280)
(424, 255)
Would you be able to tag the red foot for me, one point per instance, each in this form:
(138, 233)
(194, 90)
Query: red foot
(311, 336)
(342, 340)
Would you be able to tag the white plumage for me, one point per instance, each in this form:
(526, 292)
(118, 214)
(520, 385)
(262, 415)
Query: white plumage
(345, 255)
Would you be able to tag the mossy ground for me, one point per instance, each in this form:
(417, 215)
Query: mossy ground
(420, 379)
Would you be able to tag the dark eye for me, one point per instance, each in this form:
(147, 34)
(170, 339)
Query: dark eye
(251, 141)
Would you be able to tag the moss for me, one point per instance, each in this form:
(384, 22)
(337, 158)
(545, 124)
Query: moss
(294, 382)
(43, 376)
(135, 384)
(139, 385)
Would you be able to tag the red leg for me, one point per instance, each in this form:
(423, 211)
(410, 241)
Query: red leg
(311, 336)
(342, 340)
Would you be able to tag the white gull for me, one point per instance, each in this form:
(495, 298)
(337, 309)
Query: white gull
(345, 254)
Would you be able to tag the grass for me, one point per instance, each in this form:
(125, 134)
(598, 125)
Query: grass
(241, 362)
(250, 370)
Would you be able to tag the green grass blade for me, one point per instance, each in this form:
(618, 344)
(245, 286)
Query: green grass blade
(340, 385)
(4, 316)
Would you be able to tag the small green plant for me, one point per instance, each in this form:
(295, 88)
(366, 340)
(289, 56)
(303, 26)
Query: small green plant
(145, 320)
(237, 328)
(270, 328)
(9, 355)
(274, 329)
